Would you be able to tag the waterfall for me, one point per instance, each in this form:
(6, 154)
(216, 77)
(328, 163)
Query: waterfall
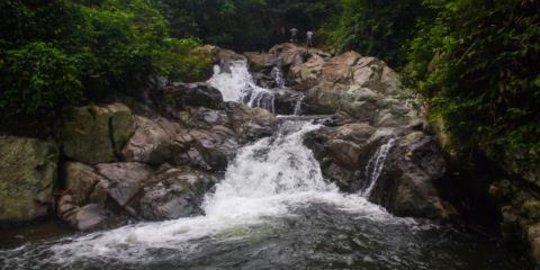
(375, 166)
(262, 99)
(277, 74)
(298, 105)
(269, 178)
(235, 83)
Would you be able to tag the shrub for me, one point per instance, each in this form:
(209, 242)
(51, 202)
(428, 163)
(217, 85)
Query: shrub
(478, 65)
(37, 80)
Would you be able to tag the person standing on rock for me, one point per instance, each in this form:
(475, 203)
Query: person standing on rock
(294, 35)
(309, 39)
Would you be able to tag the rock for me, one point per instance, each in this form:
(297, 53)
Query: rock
(173, 99)
(84, 184)
(250, 123)
(361, 103)
(150, 143)
(87, 217)
(407, 184)
(174, 193)
(203, 118)
(208, 142)
(286, 101)
(339, 68)
(324, 98)
(122, 125)
(308, 73)
(355, 132)
(343, 152)
(260, 61)
(215, 146)
(83, 202)
(90, 216)
(28, 173)
(218, 54)
(94, 134)
(346, 154)
(124, 179)
(228, 55)
(289, 54)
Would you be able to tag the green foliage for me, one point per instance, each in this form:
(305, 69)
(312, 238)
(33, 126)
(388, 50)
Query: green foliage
(35, 79)
(245, 24)
(59, 53)
(377, 27)
(478, 63)
(182, 60)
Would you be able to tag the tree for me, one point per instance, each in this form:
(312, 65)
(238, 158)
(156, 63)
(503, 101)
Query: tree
(478, 66)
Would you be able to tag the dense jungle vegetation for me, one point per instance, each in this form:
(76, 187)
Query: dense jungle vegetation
(476, 63)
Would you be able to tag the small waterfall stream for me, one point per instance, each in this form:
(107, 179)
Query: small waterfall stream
(236, 84)
(375, 166)
(298, 105)
(277, 74)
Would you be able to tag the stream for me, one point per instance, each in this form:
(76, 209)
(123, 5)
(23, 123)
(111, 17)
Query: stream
(273, 209)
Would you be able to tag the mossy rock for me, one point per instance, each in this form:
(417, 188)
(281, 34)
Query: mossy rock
(28, 174)
(94, 134)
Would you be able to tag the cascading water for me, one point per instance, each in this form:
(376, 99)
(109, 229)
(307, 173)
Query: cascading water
(375, 166)
(272, 210)
(267, 179)
(235, 83)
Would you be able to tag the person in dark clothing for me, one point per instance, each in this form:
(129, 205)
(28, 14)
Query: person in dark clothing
(294, 35)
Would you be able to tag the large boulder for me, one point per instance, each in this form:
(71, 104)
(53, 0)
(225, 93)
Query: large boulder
(82, 203)
(407, 184)
(213, 148)
(94, 134)
(109, 194)
(287, 102)
(155, 141)
(124, 180)
(174, 193)
(219, 54)
(250, 123)
(260, 61)
(28, 173)
(343, 152)
(290, 54)
(176, 97)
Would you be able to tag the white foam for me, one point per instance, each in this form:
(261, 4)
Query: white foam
(236, 84)
(269, 178)
(375, 166)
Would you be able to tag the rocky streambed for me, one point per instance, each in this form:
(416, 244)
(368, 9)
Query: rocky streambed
(297, 158)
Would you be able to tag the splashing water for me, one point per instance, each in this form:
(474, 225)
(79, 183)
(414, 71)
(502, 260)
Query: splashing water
(236, 84)
(269, 178)
(277, 74)
(375, 166)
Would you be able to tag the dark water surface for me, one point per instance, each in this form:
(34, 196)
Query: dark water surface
(316, 237)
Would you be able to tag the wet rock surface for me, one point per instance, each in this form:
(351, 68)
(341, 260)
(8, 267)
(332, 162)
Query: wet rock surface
(153, 160)
(371, 108)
